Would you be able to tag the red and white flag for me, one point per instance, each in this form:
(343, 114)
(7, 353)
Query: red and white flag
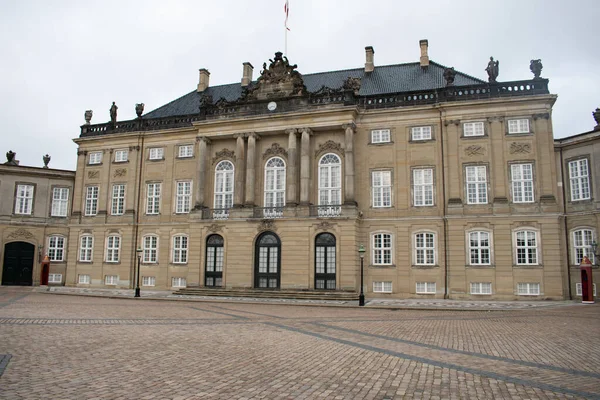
(286, 9)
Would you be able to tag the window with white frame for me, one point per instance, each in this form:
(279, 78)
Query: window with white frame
(330, 180)
(382, 188)
(473, 129)
(60, 202)
(56, 248)
(582, 245)
(481, 288)
(186, 151)
(382, 249)
(113, 247)
(178, 282)
(579, 289)
(380, 136)
(153, 198)
(275, 182)
(86, 247)
(156, 153)
(382, 286)
(479, 248)
(54, 278)
(150, 249)
(180, 249)
(528, 289)
(224, 185)
(526, 247)
(118, 199)
(91, 200)
(184, 197)
(148, 281)
(111, 279)
(579, 179)
(24, 200)
(121, 155)
(522, 182)
(425, 287)
(423, 187)
(420, 133)
(518, 126)
(425, 248)
(84, 279)
(95, 157)
(476, 177)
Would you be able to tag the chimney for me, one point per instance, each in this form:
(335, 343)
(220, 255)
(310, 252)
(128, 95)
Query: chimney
(247, 74)
(424, 56)
(369, 64)
(204, 75)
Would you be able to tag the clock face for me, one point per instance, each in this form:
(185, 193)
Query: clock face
(272, 106)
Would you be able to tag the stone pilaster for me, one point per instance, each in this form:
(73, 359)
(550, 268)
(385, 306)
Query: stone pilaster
(250, 169)
(349, 198)
(203, 143)
(305, 166)
(240, 167)
(292, 168)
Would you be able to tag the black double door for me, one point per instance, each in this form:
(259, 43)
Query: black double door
(18, 264)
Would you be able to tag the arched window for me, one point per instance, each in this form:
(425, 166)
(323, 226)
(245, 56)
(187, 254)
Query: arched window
(526, 244)
(223, 189)
(479, 248)
(150, 249)
(180, 249)
(330, 184)
(86, 246)
(425, 248)
(274, 187)
(113, 247)
(582, 245)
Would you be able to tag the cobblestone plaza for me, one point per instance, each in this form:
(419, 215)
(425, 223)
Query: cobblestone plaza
(76, 347)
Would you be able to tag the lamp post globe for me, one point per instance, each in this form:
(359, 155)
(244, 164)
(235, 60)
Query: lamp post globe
(361, 296)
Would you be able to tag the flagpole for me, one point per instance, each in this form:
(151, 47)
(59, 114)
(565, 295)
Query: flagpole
(286, 9)
(286, 53)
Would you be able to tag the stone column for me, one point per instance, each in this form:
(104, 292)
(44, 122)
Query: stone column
(350, 129)
(250, 169)
(292, 168)
(238, 195)
(305, 166)
(203, 143)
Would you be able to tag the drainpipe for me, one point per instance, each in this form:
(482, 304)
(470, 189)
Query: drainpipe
(445, 209)
(137, 210)
(564, 205)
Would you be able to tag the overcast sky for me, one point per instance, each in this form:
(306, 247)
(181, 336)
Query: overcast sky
(60, 58)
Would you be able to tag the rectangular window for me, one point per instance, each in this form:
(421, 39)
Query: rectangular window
(113, 247)
(86, 245)
(186, 151)
(579, 289)
(24, 201)
(56, 248)
(156, 153)
(522, 183)
(579, 179)
(148, 281)
(382, 188)
(184, 197)
(180, 249)
(83, 279)
(178, 282)
(582, 245)
(91, 200)
(382, 287)
(380, 136)
(473, 129)
(476, 177)
(421, 133)
(423, 187)
(382, 249)
(95, 157)
(54, 278)
(518, 126)
(527, 252)
(528, 289)
(150, 249)
(60, 202)
(425, 248)
(481, 288)
(111, 279)
(153, 198)
(121, 155)
(479, 248)
(118, 199)
(425, 287)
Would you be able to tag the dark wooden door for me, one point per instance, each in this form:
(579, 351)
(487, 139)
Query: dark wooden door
(18, 264)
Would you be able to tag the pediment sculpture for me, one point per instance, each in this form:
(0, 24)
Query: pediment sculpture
(280, 79)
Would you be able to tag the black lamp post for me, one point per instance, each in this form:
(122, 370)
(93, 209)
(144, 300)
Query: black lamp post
(361, 296)
(139, 260)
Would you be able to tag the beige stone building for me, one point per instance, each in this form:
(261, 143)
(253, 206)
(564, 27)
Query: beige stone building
(35, 204)
(448, 181)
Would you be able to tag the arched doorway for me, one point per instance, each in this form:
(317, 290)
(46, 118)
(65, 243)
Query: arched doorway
(18, 264)
(267, 261)
(325, 261)
(213, 271)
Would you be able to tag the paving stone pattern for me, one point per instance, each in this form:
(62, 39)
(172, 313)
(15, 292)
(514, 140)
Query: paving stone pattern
(76, 347)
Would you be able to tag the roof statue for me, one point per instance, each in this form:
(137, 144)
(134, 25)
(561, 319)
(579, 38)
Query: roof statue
(113, 113)
(449, 75)
(88, 116)
(139, 109)
(535, 66)
(279, 80)
(492, 70)
(10, 158)
(46, 160)
(596, 115)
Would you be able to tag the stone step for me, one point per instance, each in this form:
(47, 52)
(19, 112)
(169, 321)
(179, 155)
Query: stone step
(271, 294)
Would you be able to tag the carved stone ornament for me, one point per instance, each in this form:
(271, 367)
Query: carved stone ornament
(93, 174)
(535, 66)
(520, 148)
(279, 80)
(325, 226)
(266, 225)
(475, 150)
(329, 145)
(215, 228)
(88, 116)
(327, 91)
(352, 84)
(46, 160)
(225, 153)
(205, 100)
(139, 109)
(21, 234)
(275, 150)
(449, 74)
(119, 172)
(541, 116)
(10, 158)
(596, 115)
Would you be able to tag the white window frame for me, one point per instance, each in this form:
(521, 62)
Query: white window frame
(473, 129)
(156, 153)
(52, 278)
(223, 199)
(528, 289)
(84, 279)
(24, 199)
(579, 180)
(185, 151)
(381, 136)
(425, 288)
(121, 155)
(148, 281)
(379, 253)
(425, 252)
(111, 280)
(479, 236)
(382, 286)
(423, 187)
(150, 249)
(481, 288)
(178, 282)
(419, 133)
(113, 249)
(516, 126)
(274, 190)
(581, 242)
(153, 191)
(180, 249)
(60, 202)
(475, 182)
(526, 247)
(86, 248)
(183, 197)
(381, 188)
(95, 157)
(118, 199)
(56, 248)
(579, 289)
(330, 180)
(92, 193)
(522, 186)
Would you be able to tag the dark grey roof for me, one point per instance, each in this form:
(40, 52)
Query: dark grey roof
(383, 80)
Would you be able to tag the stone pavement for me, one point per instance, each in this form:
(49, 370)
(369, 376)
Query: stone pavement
(85, 347)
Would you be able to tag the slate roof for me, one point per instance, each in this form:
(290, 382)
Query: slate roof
(384, 79)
